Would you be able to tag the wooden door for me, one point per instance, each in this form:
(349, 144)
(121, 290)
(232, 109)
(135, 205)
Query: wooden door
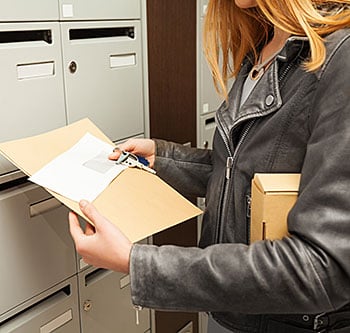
(172, 88)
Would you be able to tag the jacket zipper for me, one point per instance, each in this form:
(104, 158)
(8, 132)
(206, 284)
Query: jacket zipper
(285, 72)
(230, 162)
(137, 309)
(248, 199)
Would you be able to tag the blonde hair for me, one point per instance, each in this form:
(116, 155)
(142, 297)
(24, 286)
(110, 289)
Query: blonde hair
(230, 33)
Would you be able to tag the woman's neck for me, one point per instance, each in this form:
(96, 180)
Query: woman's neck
(268, 54)
(276, 43)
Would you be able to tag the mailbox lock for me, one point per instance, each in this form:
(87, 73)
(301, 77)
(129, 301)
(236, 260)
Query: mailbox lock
(87, 305)
(73, 67)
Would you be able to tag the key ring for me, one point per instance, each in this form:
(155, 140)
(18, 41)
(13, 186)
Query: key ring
(124, 156)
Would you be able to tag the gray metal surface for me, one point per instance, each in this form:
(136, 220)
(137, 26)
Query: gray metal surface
(102, 9)
(31, 84)
(36, 252)
(105, 304)
(24, 10)
(56, 311)
(206, 130)
(112, 97)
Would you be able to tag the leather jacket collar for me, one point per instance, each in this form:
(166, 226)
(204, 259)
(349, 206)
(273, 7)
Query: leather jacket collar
(263, 101)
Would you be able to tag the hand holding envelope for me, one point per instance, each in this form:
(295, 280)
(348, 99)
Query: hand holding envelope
(102, 245)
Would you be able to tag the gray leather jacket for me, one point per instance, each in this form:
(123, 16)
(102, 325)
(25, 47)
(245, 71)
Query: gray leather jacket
(293, 122)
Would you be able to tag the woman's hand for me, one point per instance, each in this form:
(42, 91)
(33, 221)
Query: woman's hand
(102, 245)
(142, 147)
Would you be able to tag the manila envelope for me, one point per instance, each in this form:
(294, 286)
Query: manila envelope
(138, 202)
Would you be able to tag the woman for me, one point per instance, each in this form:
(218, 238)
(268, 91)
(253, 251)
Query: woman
(287, 112)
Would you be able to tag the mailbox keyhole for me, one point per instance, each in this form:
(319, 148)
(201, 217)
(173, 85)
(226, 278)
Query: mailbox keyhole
(73, 67)
(87, 305)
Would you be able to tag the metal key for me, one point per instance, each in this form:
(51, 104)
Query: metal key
(131, 160)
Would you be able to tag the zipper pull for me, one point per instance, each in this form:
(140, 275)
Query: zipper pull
(249, 205)
(137, 308)
(229, 165)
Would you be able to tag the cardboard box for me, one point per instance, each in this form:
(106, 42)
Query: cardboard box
(273, 195)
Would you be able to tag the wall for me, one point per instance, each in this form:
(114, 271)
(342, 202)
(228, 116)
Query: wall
(62, 61)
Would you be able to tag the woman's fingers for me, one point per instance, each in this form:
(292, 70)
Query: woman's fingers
(74, 227)
(91, 213)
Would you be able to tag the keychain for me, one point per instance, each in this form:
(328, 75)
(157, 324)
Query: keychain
(134, 161)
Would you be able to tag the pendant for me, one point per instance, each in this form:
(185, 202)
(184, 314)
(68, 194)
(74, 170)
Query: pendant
(256, 73)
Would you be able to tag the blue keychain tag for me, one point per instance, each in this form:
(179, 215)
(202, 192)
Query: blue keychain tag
(143, 160)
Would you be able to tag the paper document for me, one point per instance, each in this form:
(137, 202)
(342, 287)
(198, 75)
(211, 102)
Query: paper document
(82, 172)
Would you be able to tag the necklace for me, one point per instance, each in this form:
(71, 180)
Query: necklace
(259, 69)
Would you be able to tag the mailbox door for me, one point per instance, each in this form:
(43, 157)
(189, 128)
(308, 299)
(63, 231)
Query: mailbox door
(24, 10)
(37, 251)
(103, 74)
(105, 304)
(206, 129)
(102, 9)
(31, 83)
(55, 311)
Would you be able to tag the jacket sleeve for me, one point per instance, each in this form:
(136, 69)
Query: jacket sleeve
(308, 272)
(186, 169)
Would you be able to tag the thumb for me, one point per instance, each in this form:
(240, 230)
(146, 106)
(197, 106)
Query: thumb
(115, 154)
(91, 212)
(74, 227)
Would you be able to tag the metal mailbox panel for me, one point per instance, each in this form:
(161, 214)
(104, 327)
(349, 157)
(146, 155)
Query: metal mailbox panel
(209, 98)
(24, 10)
(207, 129)
(203, 7)
(105, 304)
(31, 83)
(57, 311)
(104, 75)
(99, 9)
(36, 248)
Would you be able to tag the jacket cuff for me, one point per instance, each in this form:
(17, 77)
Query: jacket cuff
(161, 150)
(161, 147)
(139, 287)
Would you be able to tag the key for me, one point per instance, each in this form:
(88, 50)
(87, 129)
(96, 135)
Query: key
(132, 160)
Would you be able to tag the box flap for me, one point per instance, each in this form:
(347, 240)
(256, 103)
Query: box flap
(277, 182)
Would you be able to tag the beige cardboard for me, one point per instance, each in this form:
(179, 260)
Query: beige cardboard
(138, 202)
(273, 195)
